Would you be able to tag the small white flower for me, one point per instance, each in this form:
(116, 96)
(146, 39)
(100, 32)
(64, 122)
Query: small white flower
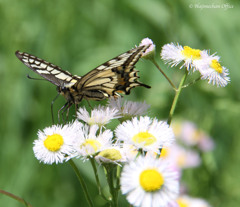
(149, 182)
(100, 115)
(191, 202)
(54, 144)
(145, 133)
(128, 108)
(181, 158)
(210, 69)
(173, 204)
(173, 54)
(188, 133)
(150, 52)
(89, 140)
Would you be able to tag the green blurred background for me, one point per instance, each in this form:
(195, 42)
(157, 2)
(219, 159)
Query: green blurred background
(80, 35)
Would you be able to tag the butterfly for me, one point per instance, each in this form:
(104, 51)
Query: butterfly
(115, 76)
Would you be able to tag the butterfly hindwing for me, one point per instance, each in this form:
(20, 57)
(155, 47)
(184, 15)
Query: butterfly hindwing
(115, 75)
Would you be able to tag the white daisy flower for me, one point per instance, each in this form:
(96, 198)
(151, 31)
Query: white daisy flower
(149, 182)
(54, 144)
(188, 133)
(191, 202)
(128, 108)
(150, 52)
(100, 115)
(90, 141)
(173, 54)
(174, 204)
(145, 133)
(180, 157)
(210, 69)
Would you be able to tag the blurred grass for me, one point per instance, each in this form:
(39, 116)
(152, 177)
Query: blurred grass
(80, 35)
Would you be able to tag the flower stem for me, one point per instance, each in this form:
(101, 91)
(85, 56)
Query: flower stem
(158, 67)
(97, 178)
(118, 177)
(118, 181)
(81, 181)
(175, 100)
(15, 197)
(114, 191)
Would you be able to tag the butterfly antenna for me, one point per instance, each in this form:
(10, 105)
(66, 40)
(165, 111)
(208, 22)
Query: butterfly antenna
(31, 78)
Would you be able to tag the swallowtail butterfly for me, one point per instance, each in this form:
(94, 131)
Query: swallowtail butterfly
(106, 80)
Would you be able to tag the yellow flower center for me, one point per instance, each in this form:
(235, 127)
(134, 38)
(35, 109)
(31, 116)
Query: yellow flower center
(177, 129)
(145, 137)
(196, 136)
(182, 203)
(53, 142)
(151, 180)
(216, 66)
(181, 160)
(111, 154)
(91, 121)
(164, 152)
(92, 143)
(188, 52)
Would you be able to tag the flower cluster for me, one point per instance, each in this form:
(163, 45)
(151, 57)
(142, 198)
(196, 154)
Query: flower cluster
(185, 153)
(190, 141)
(196, 60)
(135, 145)
(142, 146)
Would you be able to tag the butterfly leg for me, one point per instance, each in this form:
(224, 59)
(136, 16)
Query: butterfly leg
(68, 107)
(89, 104)
(52, 107)
(76, 108)
(62, 110)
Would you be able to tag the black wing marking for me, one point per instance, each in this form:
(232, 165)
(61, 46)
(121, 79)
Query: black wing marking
(115, 75)
(49, 71)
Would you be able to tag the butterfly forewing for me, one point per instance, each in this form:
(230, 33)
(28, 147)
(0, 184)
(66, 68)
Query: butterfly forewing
(49, 71)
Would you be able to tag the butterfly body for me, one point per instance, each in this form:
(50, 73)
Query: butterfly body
(107, 80)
